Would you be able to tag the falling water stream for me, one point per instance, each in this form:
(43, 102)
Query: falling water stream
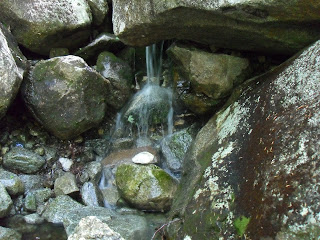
(154, 62)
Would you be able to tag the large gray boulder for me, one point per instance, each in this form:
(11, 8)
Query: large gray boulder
(253, 170)
(23, 160)
(40, 25)
(12, 64)
(120, 75)
(146, 187)
(255, 25)
(66, 95)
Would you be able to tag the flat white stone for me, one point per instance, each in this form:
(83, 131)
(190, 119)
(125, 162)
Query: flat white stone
(144, 158)
(66, 163)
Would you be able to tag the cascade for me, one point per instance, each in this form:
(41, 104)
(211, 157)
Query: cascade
(141, 121)
(137, 126)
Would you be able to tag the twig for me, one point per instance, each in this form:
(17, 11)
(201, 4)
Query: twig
(166, 224)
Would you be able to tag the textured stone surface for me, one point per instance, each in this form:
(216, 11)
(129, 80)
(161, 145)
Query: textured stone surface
(11, 69)
(146, 187)
(91, 228)
(174, 148)
(255, 25)
(59, 207)
(66, 95)
(40, 25)
(66, 184)
(12, 182)
(99, 9)
(23, 160)
(120, 75)
(9, 234)
(254, 167)
(5, 202)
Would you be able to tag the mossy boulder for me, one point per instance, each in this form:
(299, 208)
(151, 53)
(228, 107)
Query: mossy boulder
(66, 96)
(253, 170)
(146, 187)
(12, 67)
(256, 25)
(120, 75)
(40, 25)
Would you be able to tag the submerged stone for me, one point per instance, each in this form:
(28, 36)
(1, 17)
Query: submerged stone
(146, 187)
(253, 168)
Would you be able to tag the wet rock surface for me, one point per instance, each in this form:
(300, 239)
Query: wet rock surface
(253, 167)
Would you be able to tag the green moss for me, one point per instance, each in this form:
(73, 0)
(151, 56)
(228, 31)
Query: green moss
(241, 224)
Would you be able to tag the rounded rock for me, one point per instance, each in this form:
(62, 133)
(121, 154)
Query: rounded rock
(23, 160)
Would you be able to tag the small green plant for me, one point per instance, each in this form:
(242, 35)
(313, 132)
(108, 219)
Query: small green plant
(130, 119)
(241, 224)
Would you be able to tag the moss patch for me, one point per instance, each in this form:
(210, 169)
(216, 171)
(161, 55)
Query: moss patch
(241, 224)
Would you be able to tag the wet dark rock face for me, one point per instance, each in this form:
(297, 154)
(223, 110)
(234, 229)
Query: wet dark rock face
(254, 169)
